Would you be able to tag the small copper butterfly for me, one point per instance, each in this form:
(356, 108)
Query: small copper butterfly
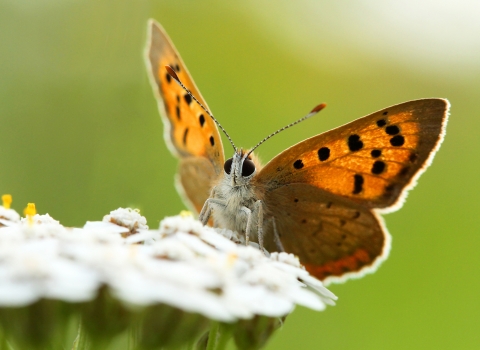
(319, 199)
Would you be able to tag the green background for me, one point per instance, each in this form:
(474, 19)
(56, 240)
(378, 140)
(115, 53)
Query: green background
(81, 135)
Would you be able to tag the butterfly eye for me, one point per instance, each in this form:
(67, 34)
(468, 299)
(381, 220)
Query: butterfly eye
(228, 165)
(248, 168)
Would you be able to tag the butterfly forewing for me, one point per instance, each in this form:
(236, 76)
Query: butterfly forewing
(189, 131)
(371, 160)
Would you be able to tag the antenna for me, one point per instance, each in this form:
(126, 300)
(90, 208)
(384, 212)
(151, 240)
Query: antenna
(311, 114)
(174, 75)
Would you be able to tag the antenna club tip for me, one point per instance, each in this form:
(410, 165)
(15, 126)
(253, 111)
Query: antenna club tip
(172, 73)
(318, 108)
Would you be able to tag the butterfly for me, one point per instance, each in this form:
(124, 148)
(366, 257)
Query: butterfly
(319, 199)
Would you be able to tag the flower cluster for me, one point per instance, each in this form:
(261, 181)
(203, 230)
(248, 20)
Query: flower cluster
(118, 274)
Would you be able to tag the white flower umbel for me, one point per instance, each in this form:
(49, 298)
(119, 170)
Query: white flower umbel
(170, 283)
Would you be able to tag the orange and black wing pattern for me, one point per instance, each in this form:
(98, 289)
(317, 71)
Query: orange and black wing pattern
(372, 160)
(324, 192)
(189, 131)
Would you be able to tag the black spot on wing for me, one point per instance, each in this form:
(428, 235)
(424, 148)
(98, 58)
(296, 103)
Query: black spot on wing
(397, 140)
(385, 113)
(185, 136)
(404, 171)
(187, 98)
(381, 122)
(413, 157)
(378, 167)
(376, 153)
(357, 183)
(178, 112)
(298, 164)
(168, 77)
(323, 153)
(389, 189)
(392, 130)
(212, 141)
(201, 119)
(354, 143)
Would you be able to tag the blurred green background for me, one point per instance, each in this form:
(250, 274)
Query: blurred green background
(81, 135)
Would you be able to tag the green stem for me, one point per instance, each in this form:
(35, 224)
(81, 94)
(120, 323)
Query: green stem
(80, 342)
(225, 331)
(219, 336)
(212, 336)
(132, 337)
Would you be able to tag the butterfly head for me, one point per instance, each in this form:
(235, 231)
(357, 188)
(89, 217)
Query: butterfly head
(240, 168)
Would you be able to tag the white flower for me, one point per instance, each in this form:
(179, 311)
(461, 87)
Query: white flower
(183, 265)
(8, 216)
(129, 218)
(41, 219)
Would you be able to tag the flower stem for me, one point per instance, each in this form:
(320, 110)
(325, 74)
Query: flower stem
(219, 336)
(225, 331)
(80, 342)
(212, 336)
(132, 338)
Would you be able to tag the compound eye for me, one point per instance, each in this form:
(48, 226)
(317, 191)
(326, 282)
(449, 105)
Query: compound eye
(228, 166)
(248, 168)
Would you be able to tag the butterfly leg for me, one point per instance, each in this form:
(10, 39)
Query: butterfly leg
(248, 212)
(258, 209)
(207, 209)
(276, 236)
(258, 206)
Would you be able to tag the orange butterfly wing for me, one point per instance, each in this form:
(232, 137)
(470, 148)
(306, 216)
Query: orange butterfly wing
(189, 132)
(313, 187)
(334, 238)
(370, 160)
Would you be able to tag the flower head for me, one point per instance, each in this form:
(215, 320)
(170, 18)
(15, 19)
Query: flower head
(195, 272)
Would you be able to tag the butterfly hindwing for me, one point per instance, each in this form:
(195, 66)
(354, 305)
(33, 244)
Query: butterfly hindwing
(189, 131)
(194, 181)
(331, 236)
(371, 160)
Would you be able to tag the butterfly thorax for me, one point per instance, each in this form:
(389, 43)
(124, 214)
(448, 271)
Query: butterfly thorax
(236, 191)
(235, 197)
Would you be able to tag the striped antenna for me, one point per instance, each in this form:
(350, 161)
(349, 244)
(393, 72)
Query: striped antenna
(311, 114)
(174, 75)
